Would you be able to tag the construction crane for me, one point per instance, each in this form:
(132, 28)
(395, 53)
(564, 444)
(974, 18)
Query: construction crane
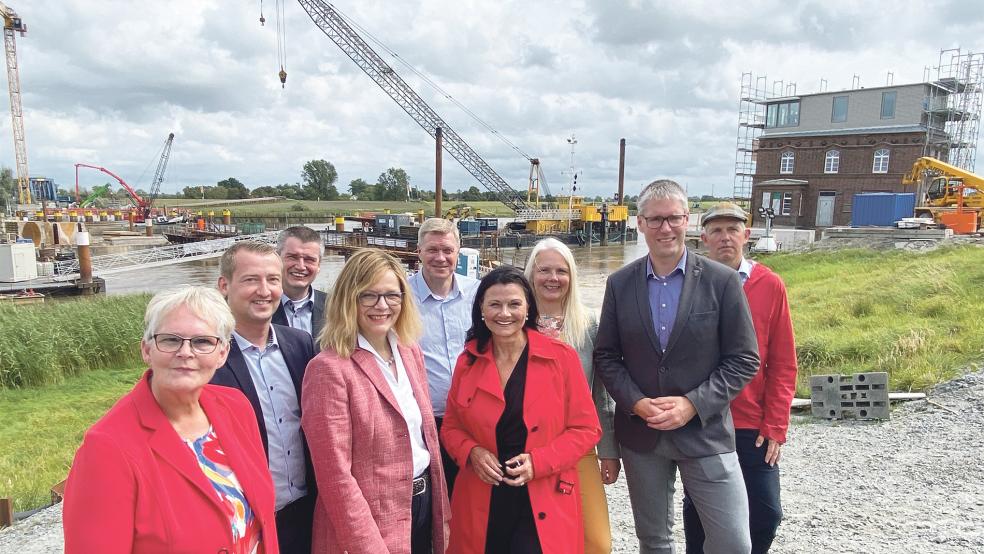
(352, 44)
(142, 204)
(13, 24)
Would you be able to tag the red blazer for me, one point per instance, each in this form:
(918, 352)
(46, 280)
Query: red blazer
(136, 487)
(361, 454)
(562, 425)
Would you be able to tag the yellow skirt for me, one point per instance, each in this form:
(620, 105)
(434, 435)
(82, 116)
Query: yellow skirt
(594, 506)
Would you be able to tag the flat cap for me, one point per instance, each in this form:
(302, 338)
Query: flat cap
(723, 210)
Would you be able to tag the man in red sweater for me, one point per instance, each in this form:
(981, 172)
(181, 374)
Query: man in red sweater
(761, 410)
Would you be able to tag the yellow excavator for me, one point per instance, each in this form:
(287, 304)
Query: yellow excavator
(950, 195)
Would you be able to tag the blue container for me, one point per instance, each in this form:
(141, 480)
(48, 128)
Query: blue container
(881, 209)
(469, 227)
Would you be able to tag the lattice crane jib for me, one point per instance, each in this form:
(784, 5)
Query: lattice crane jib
(13, 24)
(155, 185)
(358, 50)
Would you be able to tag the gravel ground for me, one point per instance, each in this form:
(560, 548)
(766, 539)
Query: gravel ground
(914, 484)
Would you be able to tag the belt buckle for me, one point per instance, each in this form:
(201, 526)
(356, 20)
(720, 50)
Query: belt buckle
(419, 485)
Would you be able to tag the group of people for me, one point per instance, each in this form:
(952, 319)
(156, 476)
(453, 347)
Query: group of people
(440, 413)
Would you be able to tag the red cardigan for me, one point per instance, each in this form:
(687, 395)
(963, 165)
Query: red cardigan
(136, 487)
(764, 402)
(562, 425)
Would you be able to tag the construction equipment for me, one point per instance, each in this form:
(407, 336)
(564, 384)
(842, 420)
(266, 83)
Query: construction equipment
(948, 194)
(13, 24)
(458, 212)
(97, 192)
(352, 44)
(143, 205)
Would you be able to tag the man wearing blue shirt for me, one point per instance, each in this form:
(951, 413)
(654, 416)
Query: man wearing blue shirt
(266, 362)
(445, 299)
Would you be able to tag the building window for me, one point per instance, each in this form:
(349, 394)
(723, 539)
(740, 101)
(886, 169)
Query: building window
(786, 162)
(880, 164)
(888, 105)
(787, 203)
(783, 114)
(838, 113)
(831, 162)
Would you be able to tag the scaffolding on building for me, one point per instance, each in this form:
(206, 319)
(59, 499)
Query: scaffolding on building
(752, 99)
(952, 111)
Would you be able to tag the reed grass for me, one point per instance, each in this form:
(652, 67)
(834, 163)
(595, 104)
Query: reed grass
(43, 344)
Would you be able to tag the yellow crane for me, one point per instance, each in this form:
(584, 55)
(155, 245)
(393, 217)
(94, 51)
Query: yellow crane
(949, 194)
(13, 24)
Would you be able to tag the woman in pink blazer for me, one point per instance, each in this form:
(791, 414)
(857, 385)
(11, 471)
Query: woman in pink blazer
(366, 414)
(176, 465)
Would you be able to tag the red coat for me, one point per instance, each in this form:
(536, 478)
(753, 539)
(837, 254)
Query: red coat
(562, 425)
(764, 402)
(136, 487)
(361, 454)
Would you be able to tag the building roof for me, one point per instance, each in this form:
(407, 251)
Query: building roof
(770, 133)
(942, 85)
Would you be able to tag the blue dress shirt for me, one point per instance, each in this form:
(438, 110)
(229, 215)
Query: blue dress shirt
(664, 297)
(281, 414)
(446, 320)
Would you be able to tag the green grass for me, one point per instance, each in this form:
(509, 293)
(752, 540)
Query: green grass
(340, 207)
(915, 316)
(44, 344)
(42, 428)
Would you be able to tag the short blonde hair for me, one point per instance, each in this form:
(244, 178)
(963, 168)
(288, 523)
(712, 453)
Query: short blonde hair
(576, 320)
(361, 271)
(227, 263)
(439, 226)
(206, 303)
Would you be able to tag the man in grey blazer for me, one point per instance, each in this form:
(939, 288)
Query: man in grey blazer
(675, 345)
(301, 306)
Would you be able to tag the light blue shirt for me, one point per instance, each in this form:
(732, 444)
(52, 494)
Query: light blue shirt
(664, 297)
(446, 321)
(745, 269)
(299, 312)
(281, 414)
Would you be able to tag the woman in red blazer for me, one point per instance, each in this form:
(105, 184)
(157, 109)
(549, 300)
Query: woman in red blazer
(366, 414)
(519, 417)
(176, 465)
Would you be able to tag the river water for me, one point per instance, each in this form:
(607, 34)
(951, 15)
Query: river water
(594, 265)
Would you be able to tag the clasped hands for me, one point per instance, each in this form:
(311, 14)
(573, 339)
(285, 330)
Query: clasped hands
(665, 413)
(518, 469)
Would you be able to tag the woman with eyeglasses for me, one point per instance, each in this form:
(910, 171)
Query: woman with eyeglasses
(552, 272)
(519, 417)
(366, 414)
(176, 465)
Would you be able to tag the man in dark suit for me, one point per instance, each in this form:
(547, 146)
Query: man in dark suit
(266, 362)
(675, 345)
(301, 306)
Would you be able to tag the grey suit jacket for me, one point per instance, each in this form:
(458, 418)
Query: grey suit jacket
(711, 354)
(318, 299)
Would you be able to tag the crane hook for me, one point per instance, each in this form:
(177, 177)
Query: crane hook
(262, 19)
(283, 77)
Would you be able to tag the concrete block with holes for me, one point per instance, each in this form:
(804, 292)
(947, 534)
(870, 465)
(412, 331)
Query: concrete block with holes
(858, 396)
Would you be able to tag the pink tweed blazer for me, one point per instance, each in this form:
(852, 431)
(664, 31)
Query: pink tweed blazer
(360, 449)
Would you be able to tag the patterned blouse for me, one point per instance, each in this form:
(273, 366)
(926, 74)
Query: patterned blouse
(550, 326)
(215, 465)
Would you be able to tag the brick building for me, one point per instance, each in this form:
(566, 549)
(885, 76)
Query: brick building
(815, 151)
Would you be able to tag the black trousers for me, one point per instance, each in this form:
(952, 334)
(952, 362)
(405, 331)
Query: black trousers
(421, 528)
(511, 528)
(450, 468)
(294, 523)
(762, 484)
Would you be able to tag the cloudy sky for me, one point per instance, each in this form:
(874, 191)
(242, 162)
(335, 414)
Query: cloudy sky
(104, 82)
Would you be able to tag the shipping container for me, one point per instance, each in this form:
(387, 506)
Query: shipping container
(468, 227)
(881, 209)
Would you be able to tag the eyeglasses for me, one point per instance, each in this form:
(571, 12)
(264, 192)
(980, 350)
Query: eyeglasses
(370, 299)
(656, 221)
(170, 344)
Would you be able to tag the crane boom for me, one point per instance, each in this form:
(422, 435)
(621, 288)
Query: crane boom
(155, 185)
(137, 199)
(13, 24)
(352, 44)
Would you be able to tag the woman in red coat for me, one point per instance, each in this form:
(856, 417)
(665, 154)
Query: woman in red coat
(176, 465)
(519, 417)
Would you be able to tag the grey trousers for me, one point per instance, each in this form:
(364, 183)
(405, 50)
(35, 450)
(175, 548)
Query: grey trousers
(715, 485)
